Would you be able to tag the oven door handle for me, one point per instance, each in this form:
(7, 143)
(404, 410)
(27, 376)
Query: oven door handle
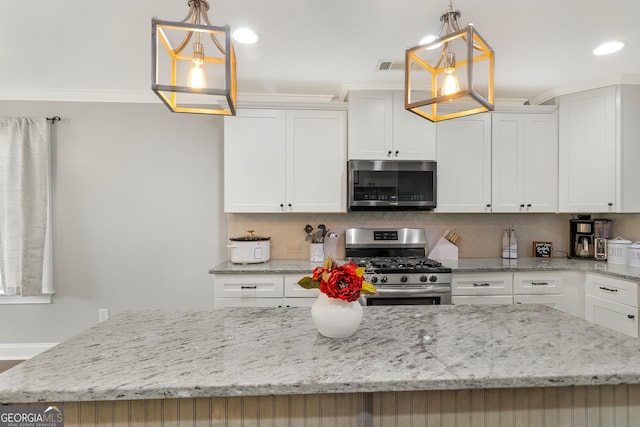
(421, 292)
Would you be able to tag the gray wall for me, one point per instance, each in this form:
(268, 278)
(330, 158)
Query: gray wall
(137, 214)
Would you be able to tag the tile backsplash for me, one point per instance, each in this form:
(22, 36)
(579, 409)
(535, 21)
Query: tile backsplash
(481, 234)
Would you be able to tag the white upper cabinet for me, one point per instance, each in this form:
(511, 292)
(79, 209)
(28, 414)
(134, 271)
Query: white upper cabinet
(587, 151)
(463, 153)
(381, 129)
(525, 162)
(285, 161)
(599, 150)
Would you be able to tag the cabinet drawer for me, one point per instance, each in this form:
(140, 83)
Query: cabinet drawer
(537, 283)
(248, 286)
(482, 284)
(608, 288)
(619, 317)
(482, 299)
(293, 290)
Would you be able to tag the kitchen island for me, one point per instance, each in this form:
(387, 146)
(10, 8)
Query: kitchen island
(405, 364)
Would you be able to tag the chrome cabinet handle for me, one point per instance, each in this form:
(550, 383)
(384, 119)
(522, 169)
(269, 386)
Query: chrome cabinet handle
(481, 284)
(539, 284)
(607, 289)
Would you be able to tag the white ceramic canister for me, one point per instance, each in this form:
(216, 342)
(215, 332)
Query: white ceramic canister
(618, 251)
(634, 254)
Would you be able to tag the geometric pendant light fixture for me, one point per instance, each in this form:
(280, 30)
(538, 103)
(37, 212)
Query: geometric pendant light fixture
(194, 64)
(451, 76)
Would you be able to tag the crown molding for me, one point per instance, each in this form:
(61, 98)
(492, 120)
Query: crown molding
(632, 79)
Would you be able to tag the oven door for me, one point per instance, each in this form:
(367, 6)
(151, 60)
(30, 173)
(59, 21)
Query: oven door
(432, 295)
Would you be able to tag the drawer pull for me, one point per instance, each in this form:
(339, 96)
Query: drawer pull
(481, 284)
(539, 284)
(631, 316)
(248, 287)
(608, 289)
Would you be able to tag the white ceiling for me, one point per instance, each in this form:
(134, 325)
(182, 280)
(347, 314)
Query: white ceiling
(86, 49)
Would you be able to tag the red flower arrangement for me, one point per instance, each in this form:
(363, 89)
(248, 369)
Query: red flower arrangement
(345, 282)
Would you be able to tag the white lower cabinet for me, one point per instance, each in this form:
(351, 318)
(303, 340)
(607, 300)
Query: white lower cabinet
(561, 290)
(612, 303)
(261, 290)
(482, 288)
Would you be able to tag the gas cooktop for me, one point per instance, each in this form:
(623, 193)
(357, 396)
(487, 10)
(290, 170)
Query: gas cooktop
(400, 264)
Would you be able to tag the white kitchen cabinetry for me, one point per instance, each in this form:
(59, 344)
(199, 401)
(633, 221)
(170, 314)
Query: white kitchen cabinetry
(612, 303)
(381, 129)
(561, 290)
(261, 290)
(285, 161)
(463, 153)
(482, 288)
(598, 150)
(525, 162)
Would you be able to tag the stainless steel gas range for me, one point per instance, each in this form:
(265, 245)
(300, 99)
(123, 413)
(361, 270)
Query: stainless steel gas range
(395, 262)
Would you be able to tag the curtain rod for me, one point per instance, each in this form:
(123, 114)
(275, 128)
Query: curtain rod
(54, 119)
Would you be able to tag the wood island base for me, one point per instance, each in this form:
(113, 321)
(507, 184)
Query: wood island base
(603, 405)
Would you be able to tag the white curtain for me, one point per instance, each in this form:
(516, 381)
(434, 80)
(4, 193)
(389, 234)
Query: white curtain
(24, 206)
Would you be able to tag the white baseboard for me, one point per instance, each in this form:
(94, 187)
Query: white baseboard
(22, 351)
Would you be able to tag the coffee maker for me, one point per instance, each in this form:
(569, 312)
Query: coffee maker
(588, 237)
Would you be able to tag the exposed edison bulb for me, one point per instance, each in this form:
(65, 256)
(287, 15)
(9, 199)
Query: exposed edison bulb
(451, 84)
(196, 78)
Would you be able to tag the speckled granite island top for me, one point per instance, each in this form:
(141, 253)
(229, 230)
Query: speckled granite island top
(232, 352)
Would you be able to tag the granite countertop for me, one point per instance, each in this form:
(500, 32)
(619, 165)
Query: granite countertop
(463, 265)
(171, 354)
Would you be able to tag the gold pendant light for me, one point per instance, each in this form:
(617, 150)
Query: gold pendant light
(451, 76)
(194, 64)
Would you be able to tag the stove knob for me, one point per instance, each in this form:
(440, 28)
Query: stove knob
(433, 278)
(384, 279)
(423, 278)
(404, 279)
(374, 279)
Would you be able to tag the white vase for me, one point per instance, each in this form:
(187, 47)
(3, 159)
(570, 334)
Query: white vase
(336, 318)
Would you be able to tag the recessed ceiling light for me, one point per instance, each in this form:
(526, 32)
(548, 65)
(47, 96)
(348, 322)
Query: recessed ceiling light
(245, 36)
(608, 47)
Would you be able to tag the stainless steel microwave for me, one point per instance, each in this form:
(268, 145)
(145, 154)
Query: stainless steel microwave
(392, 185)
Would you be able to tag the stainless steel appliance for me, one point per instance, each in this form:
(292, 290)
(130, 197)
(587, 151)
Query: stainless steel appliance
(386, 185)
(588, 237)
(395, 262)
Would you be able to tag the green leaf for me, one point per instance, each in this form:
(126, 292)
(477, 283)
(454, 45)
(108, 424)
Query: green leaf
(308, 283)
(368, 288)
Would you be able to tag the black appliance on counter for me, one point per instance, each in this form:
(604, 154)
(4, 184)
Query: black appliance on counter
(391, 185)
(588, 237)
(395, 262)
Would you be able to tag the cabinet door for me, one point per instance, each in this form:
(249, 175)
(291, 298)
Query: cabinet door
(370, 125)
(507, 151)
(552, 300)
(540, 163)
(619, 317)
(414, 138)
(587, 149)
(525, 163)
(463, 152)
(316, 161)
(254, 161)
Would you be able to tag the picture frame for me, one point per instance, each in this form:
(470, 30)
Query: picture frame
(542, 249)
